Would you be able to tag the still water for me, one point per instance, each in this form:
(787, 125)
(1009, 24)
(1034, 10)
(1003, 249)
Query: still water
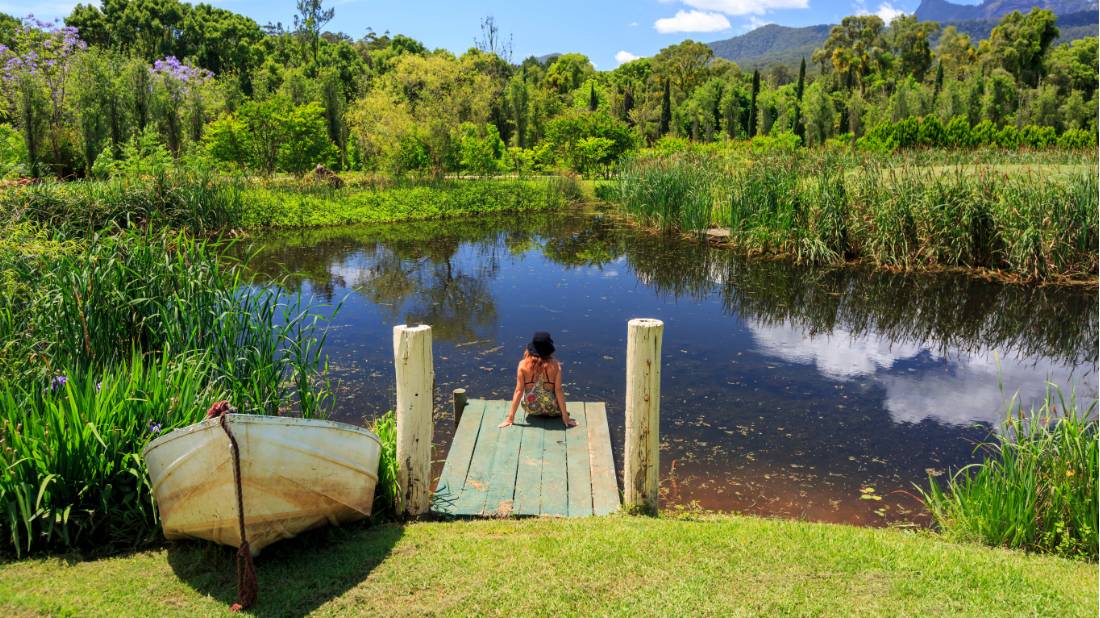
(822, 394)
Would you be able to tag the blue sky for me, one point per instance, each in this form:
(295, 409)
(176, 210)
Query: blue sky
(608, 31)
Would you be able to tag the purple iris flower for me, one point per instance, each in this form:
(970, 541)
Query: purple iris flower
(154, 428)
(58, 383)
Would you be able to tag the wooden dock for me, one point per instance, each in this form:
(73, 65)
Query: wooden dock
(535, 467)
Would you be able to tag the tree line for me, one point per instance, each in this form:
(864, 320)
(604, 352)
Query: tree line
(133, 80)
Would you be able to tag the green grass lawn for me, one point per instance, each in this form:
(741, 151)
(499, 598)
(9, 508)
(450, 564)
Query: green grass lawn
(715, 565)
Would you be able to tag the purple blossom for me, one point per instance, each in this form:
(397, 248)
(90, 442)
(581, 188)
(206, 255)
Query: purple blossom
(154, 428)
(58, 383)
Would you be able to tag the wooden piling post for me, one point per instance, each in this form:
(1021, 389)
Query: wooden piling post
(643, 419)
(458, 403)
(412, 360)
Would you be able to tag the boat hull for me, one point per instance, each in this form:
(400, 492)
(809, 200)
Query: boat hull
(296, 474)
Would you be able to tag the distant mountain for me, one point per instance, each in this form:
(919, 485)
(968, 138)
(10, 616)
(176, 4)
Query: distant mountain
(944, 11)
(772, 44)
(1071, 26)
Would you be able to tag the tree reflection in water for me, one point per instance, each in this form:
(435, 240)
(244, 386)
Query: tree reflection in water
(414, 270)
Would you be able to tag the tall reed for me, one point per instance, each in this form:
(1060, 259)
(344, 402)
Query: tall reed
(1037, 487)
(385, 493)
(827, 207)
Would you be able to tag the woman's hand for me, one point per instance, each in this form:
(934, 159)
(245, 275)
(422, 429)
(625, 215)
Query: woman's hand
(506, 422)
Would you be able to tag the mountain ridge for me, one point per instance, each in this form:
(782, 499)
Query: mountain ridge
(774, 44)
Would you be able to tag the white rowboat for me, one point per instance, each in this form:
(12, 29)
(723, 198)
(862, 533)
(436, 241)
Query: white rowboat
(296, 474)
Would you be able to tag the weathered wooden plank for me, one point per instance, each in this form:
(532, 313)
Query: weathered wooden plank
(476, 488)
(502, 480)
(555, 498)
(459, 455)
(529, 471)
(605, 490)
(578, 462)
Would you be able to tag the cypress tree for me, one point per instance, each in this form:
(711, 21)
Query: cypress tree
(939, 80)
(628, 104)
(593, 102)
(799, 126)
(666, 109)
(750, 128)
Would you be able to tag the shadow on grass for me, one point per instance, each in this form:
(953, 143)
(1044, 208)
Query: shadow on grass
(295, 576)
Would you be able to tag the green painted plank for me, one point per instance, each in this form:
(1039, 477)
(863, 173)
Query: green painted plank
(472, 499)
(555, 500)
(502, 480)
(529, 470)
(577, 462)
(605, 489)
(459, 454)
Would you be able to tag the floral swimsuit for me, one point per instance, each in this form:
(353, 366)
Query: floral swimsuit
(540, 401)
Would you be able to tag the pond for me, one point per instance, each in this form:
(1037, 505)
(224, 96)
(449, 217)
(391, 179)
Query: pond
(815, 393)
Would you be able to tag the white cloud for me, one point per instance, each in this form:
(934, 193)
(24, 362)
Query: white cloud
(692, 21)
(746, 7)
(623, 57)
(754, 23)
(886, 11)
(633, 24)
(965, 389)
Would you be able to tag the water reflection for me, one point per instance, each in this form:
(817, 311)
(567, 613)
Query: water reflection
(786, 390)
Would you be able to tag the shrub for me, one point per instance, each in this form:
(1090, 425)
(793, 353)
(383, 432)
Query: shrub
(907, 132)
(1076, 138)
(957, 133)
(1038, 137)
(983, 134)
(932, 132)
(1008, 137)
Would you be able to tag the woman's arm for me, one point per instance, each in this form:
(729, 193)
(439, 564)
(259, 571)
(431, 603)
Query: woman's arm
(560, 394)
(515, 400)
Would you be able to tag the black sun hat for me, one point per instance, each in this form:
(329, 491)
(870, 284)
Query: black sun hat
(541, 345)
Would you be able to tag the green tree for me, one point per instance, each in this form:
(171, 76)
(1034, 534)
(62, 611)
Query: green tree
(685, 65)
(854, 47)
(568, 72)
(1075, 112)
(308, 23)
(999, 100)
(750, 126)
(1072, 66)
(666, 108)
(954, 51)
(799, 127)
(907, 40)
(820, 115)
(1019, 43)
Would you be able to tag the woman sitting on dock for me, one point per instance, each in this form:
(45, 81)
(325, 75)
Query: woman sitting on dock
(538, 383)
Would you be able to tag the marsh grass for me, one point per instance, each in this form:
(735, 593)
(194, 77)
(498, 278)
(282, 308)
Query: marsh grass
(1037, 487)
(200, 202)
(282, 205)
(896, 212)
(385, 493)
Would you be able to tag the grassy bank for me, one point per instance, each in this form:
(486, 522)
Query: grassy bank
(203, 202)
(1022, 219)
(599, 566)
